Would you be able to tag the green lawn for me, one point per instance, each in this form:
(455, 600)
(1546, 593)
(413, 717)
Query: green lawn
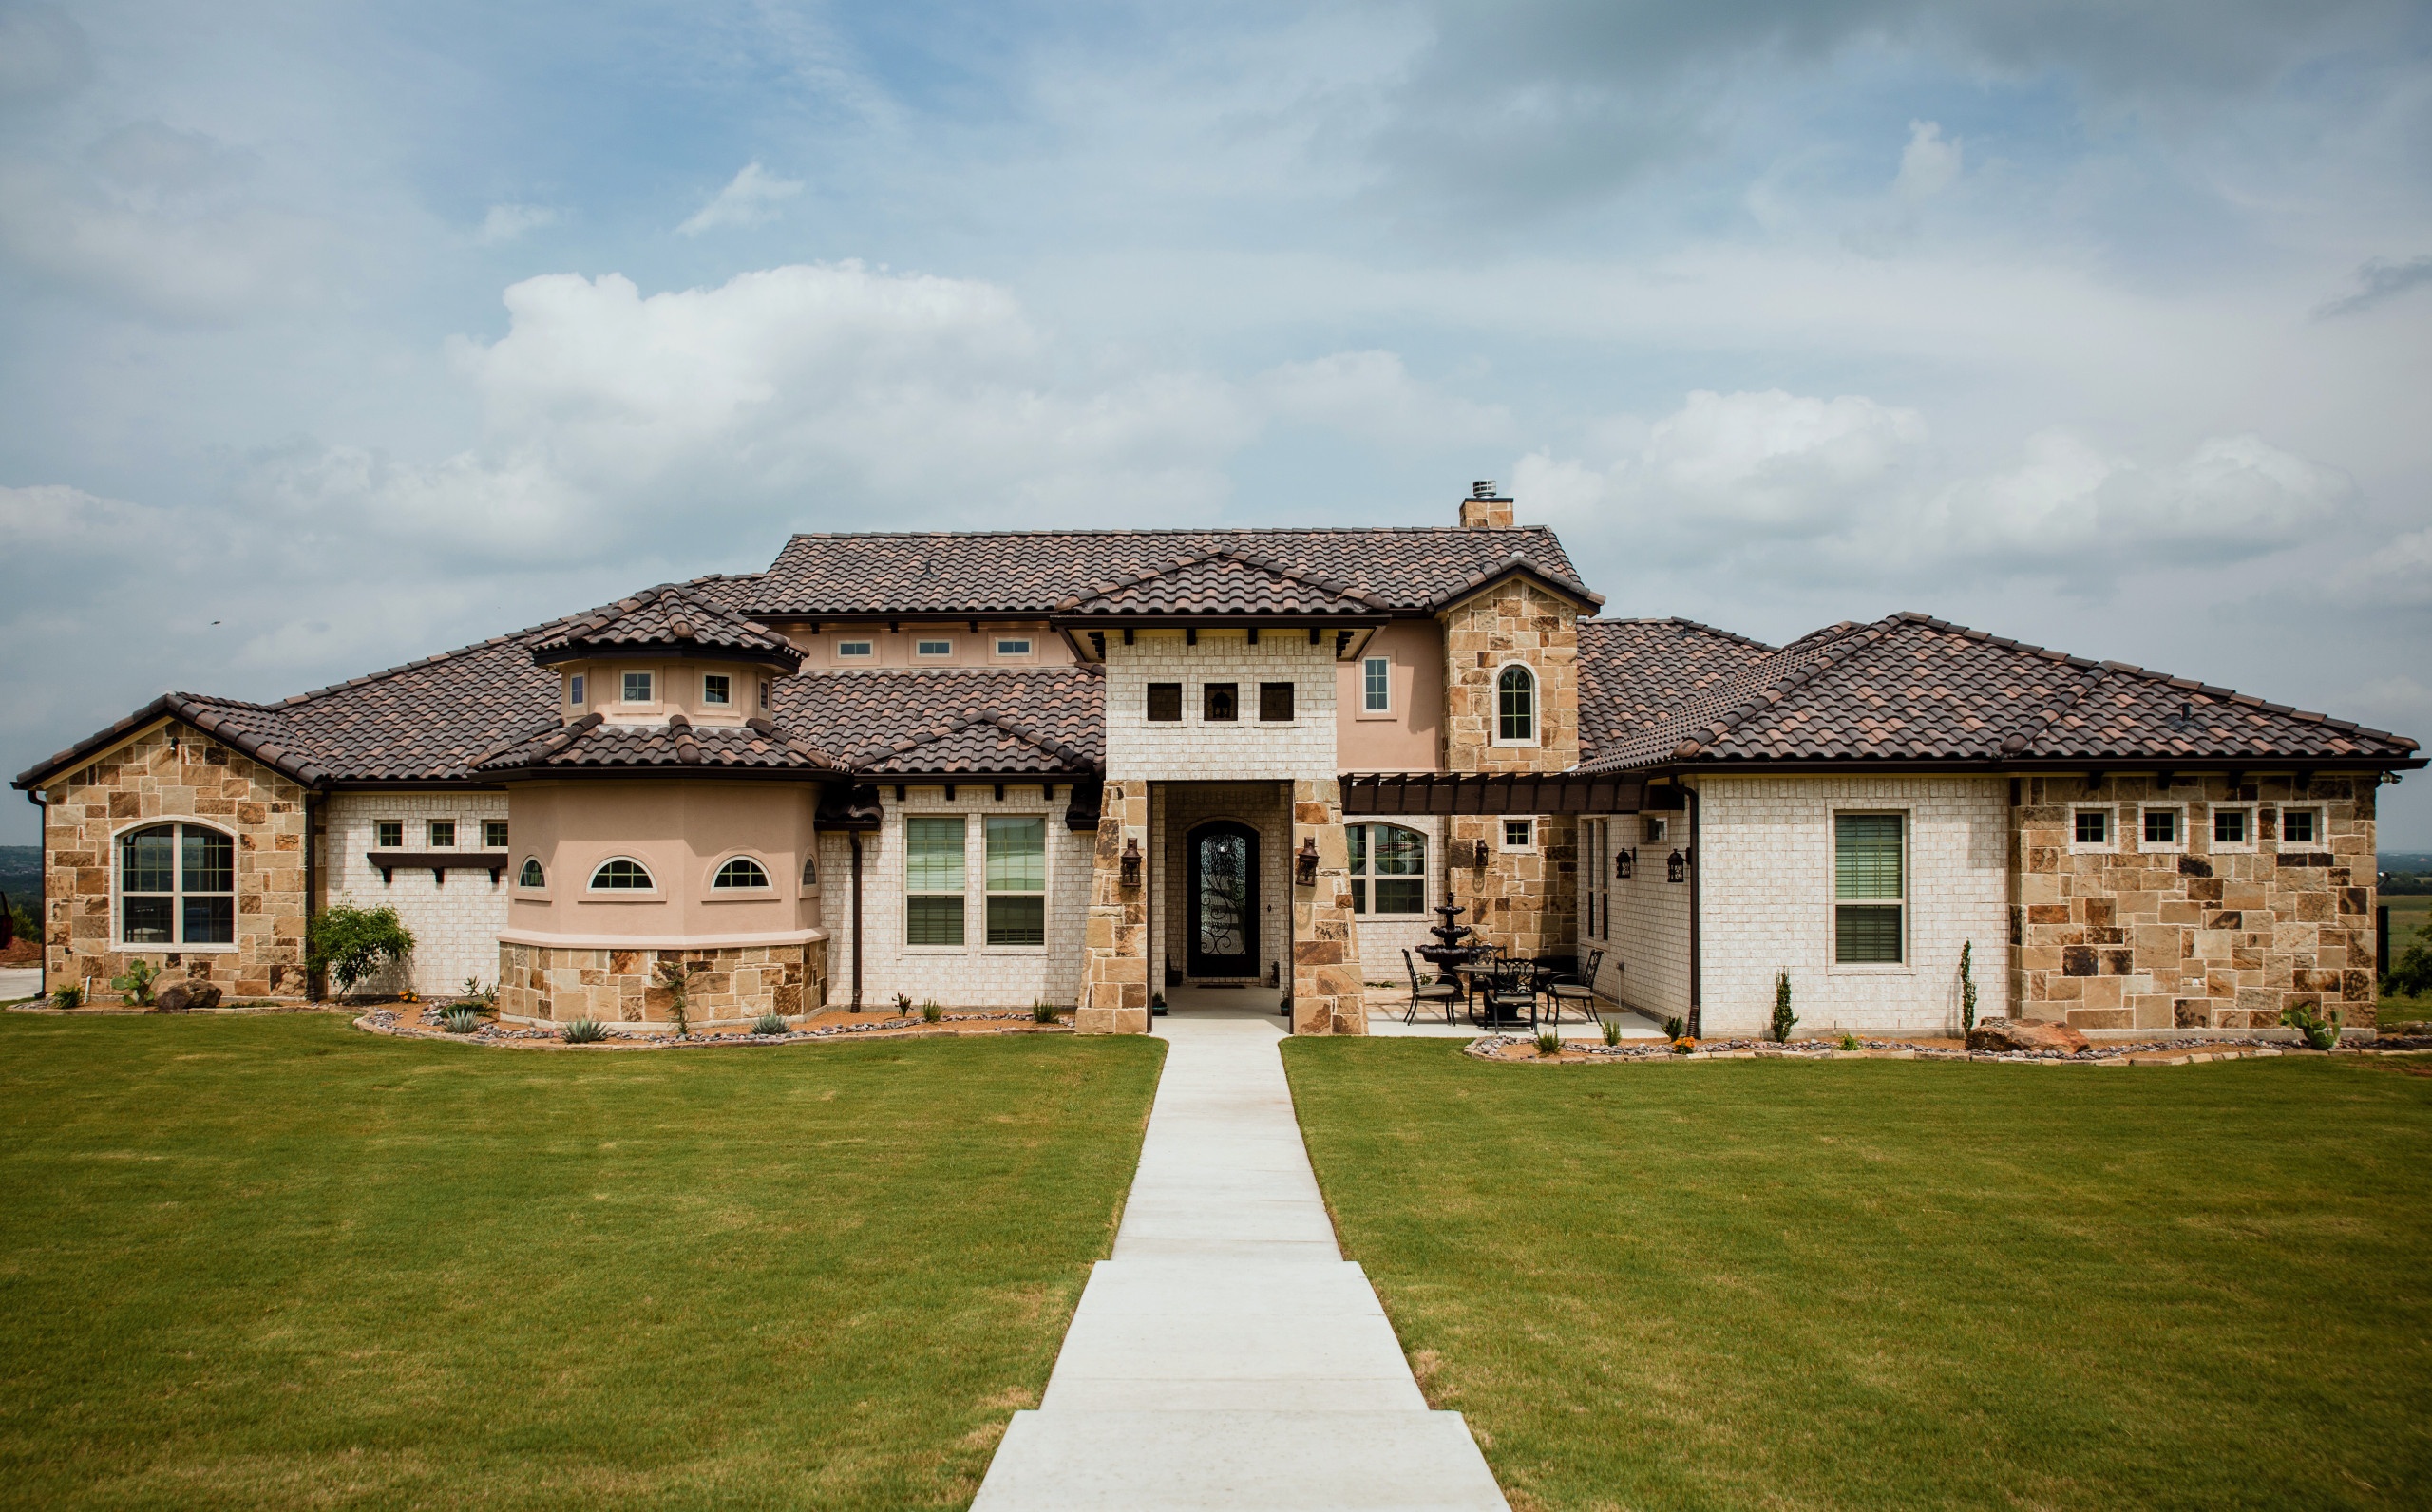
(2408, 914)
(275, 1263)
(1887, 1284)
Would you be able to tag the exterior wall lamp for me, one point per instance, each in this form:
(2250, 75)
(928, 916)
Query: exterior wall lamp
(1304, 865)
(1677, 868)
(1625, 862)
(1130, 875)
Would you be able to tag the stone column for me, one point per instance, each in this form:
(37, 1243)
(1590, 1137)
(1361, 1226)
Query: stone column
(1114, 980)
(1327, 998)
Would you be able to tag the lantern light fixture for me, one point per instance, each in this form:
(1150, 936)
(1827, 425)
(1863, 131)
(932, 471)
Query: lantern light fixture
(1304, 865)
(1625, 862)
(1677, 868)
(1131, 863)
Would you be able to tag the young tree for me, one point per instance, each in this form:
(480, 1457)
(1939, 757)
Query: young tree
(352, 943)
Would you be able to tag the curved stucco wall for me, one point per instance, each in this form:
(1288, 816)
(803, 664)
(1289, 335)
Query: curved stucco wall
(682, 831)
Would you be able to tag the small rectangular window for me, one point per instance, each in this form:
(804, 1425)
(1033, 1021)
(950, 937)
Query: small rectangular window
(1519, 834)
(636, 688)
(1376, 686)
(388, 834)
(2162, 826)
(932, 649)
(1868, 889)
(1012, 648)
(1220, 702)
(574, 689)
(442, 833)
(764, 692)
(2094, 827)
(1275, 703)
(493, 834)
(1165, 702)
(1657, 829)
(2229, 826)
(2296, 826)
(933, 880)
(856, 650)
(718, 688)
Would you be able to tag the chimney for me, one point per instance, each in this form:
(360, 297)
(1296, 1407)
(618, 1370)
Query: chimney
(1485, 509)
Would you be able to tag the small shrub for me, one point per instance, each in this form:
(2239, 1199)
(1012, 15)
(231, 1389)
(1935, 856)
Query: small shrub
(1042, 1013)
(903, 1005)
(351, 943)
(1612, 1027)
(1783, 1018)
(2320, 1033)
(931, 1011)
(770, 1024)
(1673, 1029)
(136, 985)
(461, 1021)
(585, 1031)
(2410, 976)
(70, 997)
(1967, 988)
(1549, 1043)
(1849, 1042)
(676, 977)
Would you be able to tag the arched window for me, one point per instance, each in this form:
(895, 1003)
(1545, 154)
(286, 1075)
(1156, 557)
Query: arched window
(810, 871)
(621, 875)
(176, 885)
(1388, 869)
(1516, 707)
(741, 872)
(531, 876)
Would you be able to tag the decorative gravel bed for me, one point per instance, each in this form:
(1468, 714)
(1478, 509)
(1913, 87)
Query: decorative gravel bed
(985, 1021)
(2157, 1052)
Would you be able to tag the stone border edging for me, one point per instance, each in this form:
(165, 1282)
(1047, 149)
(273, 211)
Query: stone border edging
(2163, 1054)
(493, 1036)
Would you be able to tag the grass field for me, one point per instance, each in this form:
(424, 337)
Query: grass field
(2408, 914)
(273, 1262)
(1896, 1284)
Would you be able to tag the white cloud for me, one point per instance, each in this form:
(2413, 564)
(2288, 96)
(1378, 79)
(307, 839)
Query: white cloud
(55, 517)
(1372, 396)
(507, 223)
(2396, 575)
(750, 198)
(1928, 164)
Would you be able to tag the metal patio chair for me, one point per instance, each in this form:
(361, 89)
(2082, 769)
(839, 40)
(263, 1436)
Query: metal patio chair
(1448, 993)
(1577, 993)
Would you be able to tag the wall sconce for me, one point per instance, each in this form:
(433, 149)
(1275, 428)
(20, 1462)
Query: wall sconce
(1131, 863)
(1478, 856)
(1304, 865)
(1676, 869)
(1625, 862)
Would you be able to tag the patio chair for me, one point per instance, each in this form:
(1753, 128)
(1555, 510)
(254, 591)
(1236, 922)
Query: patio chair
(1577, 993)
(1448, 993)
(1512, 988)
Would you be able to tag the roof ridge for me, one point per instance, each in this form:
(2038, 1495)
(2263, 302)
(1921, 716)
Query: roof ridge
(1161, 530)
(1685, 624)
(1833, 654)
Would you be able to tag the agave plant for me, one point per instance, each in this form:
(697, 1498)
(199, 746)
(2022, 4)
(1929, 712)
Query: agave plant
(585, 1031)
(461, 1021)
(770, 1024)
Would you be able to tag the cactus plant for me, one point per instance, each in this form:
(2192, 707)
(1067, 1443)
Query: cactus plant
(770, 1024)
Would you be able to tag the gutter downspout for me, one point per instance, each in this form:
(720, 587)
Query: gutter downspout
(311, 883)
(857, 921)
(1696, 953)
(42, 915)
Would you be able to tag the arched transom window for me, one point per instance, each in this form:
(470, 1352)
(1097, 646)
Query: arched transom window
(622, 875)
(1515, 707)
(531, 876)
(741, 872)
(1388, 869)
(176, 885)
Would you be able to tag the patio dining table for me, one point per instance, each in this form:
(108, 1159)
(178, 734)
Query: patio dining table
(1477, 973)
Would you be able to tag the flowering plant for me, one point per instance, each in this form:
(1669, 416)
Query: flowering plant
(1684, 1045)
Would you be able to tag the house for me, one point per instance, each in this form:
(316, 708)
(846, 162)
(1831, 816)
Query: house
(1079, 767)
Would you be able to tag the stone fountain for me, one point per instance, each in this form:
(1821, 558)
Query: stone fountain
(1448, 951)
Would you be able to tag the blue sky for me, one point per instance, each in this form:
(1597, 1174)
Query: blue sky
(332, 336)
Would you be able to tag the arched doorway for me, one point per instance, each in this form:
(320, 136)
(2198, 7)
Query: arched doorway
(1222, 893)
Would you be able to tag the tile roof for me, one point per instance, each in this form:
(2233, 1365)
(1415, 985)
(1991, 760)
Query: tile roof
(1632, 673)
(1220, 582)
(1010, 720)
(1911, 688)
(1032, 572)
(677, 617)
(592, 743)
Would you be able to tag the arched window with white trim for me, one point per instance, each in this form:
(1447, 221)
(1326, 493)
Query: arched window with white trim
(742, 872)
(1516, 707)
(622, 874)
(177, 886)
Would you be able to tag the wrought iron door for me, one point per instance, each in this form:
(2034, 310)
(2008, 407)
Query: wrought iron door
(1223, 899)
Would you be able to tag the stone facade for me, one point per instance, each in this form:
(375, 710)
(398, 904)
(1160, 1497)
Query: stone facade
(171, 773)
(1115, 982)
(729, 986)
(1176, 809)
(1327, 998)
(2193, 932)
(455, 923)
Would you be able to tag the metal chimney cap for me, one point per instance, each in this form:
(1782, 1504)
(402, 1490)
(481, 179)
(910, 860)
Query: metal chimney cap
(1483, 488)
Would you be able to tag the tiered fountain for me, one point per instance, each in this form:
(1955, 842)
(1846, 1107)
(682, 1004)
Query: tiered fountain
(1448, 951)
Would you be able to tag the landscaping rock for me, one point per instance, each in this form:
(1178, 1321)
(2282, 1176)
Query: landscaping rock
(185, 998)
(2012, 1035)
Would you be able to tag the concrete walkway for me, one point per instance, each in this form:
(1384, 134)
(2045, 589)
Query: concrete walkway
(19, 981)
(1228, 1357)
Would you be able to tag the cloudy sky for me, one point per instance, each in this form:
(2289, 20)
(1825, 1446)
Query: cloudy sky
(333, 336)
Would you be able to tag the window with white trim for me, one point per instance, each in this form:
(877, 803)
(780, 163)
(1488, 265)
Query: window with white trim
(574, 689)
(2162, 826)
(622, 874)
(2232, 826)
(1515, 707)
(2091, 826)
(1869, 900)
(1388, 869)
(636, 688)
(764, 692)
(388, 834)
(1013, 646)
(532, 876)
(1376, 685)
(441, 833)
(176, 885)
(1016, 879)
(856, 650)
(932, 884)
(741, 872)
(1599, 863)
(2300, 826)
(718, 688)
(1519, 834)
(933, 649)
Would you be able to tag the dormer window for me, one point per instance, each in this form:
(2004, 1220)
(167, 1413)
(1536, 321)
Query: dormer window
(574, 689)
(933, 649)
(637, 687)
(718, 688)
(856, 651)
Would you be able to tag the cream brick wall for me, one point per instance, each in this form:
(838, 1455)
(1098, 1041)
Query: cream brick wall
(455, 925)
(1765, 849)
(975, 975)
(1234, 751)
(1648, 968)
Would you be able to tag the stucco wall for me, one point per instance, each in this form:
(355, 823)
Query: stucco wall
(1197, 749)
(455, 924)
(1409, 735)
(682, 831)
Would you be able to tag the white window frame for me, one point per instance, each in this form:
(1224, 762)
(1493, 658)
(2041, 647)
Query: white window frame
(575, 688)
(652, 894)
(725, 702)
(714, 893)
(176, 895)
(504, 838)
(2280, 826)
(1597, 894)
(1046, 893)
(625, 685)
(2110, 828)
(904, 884)
(868, 653)
(2235, 848)
(1028, 648)
(1503, 834)
(2178, 828)
(764, 692)
(1427, 865)
(1364, 710)
(1536, 706)
(1906, 902)
(920, 653)
(539, 894)
(1657, 829)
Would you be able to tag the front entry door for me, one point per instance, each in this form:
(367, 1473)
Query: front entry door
(1222, 888)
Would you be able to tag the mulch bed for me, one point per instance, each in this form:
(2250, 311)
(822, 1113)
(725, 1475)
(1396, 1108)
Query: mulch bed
(1515, 1048)
(424, 1021)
